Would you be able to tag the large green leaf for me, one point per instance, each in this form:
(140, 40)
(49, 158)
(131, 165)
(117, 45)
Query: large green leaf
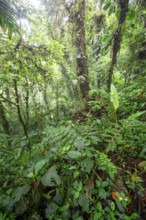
(114, 97)
(19, 192)
(3, 216)
(136, 115)
(120, 206)
(39, 165)
(51, 178)
(87, 165)
(74, 154)
(84, 202)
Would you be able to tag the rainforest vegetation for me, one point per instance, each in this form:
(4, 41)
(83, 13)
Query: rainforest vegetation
(72, 109)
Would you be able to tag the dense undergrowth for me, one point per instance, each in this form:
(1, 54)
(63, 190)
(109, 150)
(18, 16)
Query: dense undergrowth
(76, 171)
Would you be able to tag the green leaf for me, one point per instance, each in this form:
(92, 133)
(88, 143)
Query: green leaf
(7, 17)
(102, 193)
(136, 178)
(76, 195)
(97, 216)
(134, 216)
(51, 178)
(3, 216)
(120, 206)
(80, 186)
(22, 190)
(142, 165)
(79, 143)
(107, 5)
(39, 165)
(99, 206)
(87, 164)
(112, 206)
(136, 115)
(131, 14)
(74, 154)
(84, 203)
(76, 174)
(64, 208)
(118, 78)
(30, 175)
(114, 97)
(9, 191)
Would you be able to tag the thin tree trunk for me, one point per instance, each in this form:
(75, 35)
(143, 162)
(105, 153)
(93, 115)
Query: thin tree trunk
(45, 93)
(57, 103)
(27, 103)
(7, 92)
(24, 126)
(117, 39)
(4, 120)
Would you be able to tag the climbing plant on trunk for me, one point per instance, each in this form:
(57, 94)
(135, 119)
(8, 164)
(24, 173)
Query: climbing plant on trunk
(77, 14)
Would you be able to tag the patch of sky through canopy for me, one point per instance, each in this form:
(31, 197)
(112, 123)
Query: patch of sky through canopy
(35, 3)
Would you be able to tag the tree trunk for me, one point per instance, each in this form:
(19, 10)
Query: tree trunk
(78, 17)
(123, 4)
(24, 126)
(27, 102)
(4, 120)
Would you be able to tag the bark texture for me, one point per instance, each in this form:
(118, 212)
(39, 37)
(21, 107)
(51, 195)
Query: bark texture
(24, 125)
(4, 120)
(123, 5)
(77, 14)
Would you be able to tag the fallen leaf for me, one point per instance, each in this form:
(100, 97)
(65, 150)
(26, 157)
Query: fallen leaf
(116, 197)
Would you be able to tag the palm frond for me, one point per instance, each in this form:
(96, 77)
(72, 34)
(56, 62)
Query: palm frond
(7, 17)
